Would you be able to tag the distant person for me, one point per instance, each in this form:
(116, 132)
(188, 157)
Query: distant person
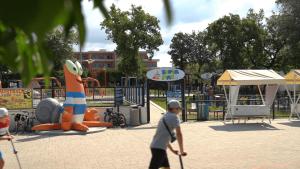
(211, 93)
(204, 89)
(4, 124)
(165, 135)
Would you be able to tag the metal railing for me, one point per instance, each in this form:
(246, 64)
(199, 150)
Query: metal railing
(217, 108)
(96, 96)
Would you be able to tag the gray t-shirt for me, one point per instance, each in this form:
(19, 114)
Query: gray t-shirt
(162, 136)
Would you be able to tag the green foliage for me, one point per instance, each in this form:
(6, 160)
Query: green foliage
(231, 42)
(131, 31)
(226, 38)
(24, 26)
(60, 47)
(114, 77)
(180, 49)
(288, 21)
(188, 49)
(23, 29)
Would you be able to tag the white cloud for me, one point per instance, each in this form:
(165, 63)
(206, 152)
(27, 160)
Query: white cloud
(189, 15)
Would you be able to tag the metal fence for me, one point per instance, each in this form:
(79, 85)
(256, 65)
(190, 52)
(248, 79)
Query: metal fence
(135, 95)
(217, 108)
(96, 96)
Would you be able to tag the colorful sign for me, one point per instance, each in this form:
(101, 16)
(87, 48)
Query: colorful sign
(165, 74)
(16, 98)
(174, 95)
(119, 96)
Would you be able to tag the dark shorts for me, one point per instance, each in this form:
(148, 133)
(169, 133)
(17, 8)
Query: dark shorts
(159, 159)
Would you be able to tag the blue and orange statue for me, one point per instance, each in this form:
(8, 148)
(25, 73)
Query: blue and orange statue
(75, 114)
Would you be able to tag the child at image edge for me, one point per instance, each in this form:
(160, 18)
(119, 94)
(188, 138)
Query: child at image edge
(4, 124)
(162, 137)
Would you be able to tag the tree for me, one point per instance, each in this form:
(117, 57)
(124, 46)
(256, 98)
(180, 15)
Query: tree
(254, 40)
(131, 31)
(288, 22)
(225, 38)
(200, 51)
(24, 25)
(61, 48)
(180, 50)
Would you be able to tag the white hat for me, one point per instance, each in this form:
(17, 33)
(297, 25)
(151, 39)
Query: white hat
(173, 104)
(3, 112)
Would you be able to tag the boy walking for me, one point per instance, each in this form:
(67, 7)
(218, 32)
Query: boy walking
(164, 135)
(4, 124)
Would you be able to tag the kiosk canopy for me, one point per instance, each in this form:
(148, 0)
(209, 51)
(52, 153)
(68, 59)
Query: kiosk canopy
(250, 77)
(293, 77)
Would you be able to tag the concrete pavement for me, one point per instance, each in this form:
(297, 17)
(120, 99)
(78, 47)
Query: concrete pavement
(210, 145)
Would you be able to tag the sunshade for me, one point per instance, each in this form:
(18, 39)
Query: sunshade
(293, 77)
(250, 77)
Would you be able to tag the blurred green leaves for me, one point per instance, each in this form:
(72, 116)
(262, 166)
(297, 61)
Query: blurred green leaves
(25, 24)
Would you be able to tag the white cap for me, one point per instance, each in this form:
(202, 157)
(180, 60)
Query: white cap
(173, 104)
(3, 112)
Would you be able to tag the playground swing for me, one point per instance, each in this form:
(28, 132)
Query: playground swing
(95, 85)
(293, 78)
(236, 78)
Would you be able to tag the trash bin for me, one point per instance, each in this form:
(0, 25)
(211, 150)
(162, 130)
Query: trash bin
(202, 112)
(135, 115)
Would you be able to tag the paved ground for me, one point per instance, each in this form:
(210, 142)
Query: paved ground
(210, 145)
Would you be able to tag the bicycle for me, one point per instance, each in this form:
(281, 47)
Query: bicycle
(116, 118)
(24, 121)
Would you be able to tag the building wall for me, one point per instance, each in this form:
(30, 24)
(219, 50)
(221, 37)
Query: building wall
(108, 59)
(97, 61)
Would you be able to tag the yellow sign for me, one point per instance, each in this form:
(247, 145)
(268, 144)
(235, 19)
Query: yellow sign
(16, 98)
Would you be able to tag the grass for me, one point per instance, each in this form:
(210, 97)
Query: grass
(162, 103)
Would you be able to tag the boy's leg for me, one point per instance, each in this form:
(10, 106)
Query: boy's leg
(157, 159)
(165, 163)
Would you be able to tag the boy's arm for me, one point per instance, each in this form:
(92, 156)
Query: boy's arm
(171, 149)
(180, 140)
(6, 137)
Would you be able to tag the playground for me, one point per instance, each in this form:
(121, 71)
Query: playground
(231, 129)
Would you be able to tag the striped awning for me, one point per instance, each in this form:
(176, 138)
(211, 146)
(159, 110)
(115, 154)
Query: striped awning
(250, 77)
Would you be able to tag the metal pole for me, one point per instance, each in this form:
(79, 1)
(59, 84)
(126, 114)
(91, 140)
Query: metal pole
(181, 163)
(143, 95)
(261, 95)
(148, 101)
(183, 100)
(14, 150)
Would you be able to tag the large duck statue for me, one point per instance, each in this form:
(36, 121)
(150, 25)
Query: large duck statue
(75, 115)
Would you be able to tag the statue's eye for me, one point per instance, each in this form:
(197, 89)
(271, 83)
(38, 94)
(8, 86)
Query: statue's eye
(79, 68)
(71, 67)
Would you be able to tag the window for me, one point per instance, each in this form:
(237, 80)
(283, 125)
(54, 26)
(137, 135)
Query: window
(94, 57)
(97, 65)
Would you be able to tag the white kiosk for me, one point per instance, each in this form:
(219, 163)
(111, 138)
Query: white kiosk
(293, 78)
(236, 78)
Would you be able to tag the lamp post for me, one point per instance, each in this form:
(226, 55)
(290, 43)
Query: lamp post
(105, 80)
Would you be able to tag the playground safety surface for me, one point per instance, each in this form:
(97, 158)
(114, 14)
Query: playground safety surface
(210, 145)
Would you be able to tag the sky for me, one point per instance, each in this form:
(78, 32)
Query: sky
(188, 16)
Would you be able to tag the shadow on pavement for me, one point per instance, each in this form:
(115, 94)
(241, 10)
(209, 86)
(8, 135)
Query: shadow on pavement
(54, 133)
(33, 138)
(291, 123)
(244, 127)
(141, 128)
